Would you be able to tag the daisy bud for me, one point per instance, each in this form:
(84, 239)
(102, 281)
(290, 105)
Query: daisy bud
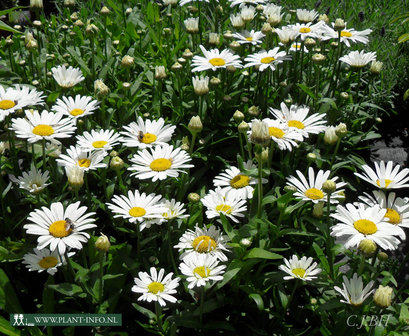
(181, 60)
(176, 66)
(113, 154)
(264, 155)
(323, 17)
(32, 44)
(341, 130)
(9, 41)
(192, 25)
(116, 163)
(22, 62)
(69, 2)
(288, 188)
(102, 243)
(201, 85)
(227, 98)
(344, 95)
(283, 84)
(75, 176)
(185, 143)
(78, 23)
(313, 301)
(378, 120)
(195, 125)
(245, 100)
(3, 147)
(243, 127)
(193, 9)
(367, 247)
(35, 82)
(37, 23)
(318, 209)
(245, 73)
(17, 27)
(128, 11)
(254, 111)
(193, 197)
(74, 16)
(238, 116)
(266, 29)
(126, 85)
(100, 88)
(376, 67)
(247, 13)
(36, 4)
(215, 81)
(288, 101)
(160, 72)
(234, 45)
(246, 242)
(127, 61)
(214, 38)
(339, 24)
(228, 35)
(167, 30)
(383, 296)
(231, 68)
(311, 157)
(236, 21)
(170, 2)
(382, 256)
(310, 43)
(115, 42)
(341, 196)
(219, 9)
(105, 10)
(28, 37)
(187, 54)
(318, 58)
(259, 133)
(330, 137)
(91, 29)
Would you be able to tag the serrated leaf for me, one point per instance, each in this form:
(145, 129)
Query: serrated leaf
(260, 253)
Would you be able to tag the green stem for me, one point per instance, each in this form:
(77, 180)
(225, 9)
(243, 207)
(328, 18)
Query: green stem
(158, 311)
(260, 186)
(329, 239)
(171, 254)
(101, 280)
(44, 154)
(202, 294)
(192, 143)
(335, 153)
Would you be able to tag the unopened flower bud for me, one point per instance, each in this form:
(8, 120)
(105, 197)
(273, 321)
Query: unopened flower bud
(318, 209)
(105, 10)
(37, 23)
(176, 66)
(75, 176)
(127, 61)
(266, 29)
(102, 243)
(231, 68)
(100, 88)
(187, 54)
(91, 29)
(126, 85)
(69, 2)
(228, 35)
(36, 4)
(344, 95)
(318, 58)
(378, 120)
(192, 25)
(330, 137)
(367, 247)
(383, 296)
(246, 242)
(234, 45)
(283, 84)
(329, 186)
(200, 85)
(214, 38)
(195, 125)
(9, 41)
(238, 116)
(78, 23)
(116, 163)
(382, 256)
(339, 24)
(167, 30)
(243, 127)
(341, 130)
(160, 72)
(310, 43)
(32, 44)
(215, 81)
(193, 197)
(311, 157)
(323, 17)
(259, 133)
(254, 111)
(128, 11)
(376, 67)
(289, 188)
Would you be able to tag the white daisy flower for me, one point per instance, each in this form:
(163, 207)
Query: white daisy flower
(352, 35)
(297, 117)
(353, 290)
(67, 78)
(34, 181)
(60, 228)
(232, 180)
(77, 107)
(76, 156)
(305, 15)
(98, 140)
(31, 96)
(397, 209)
(173, 210)
(384, 177)
(214, 59)
(316, 30)
(206, 241)
(358, 59)
(266, 59)
(155, 287)
(247, 13)
(311, 190)
(272, 10)
(243, 2)
(362, 222)
(184, 2)
(217, 201)
(296, 46)
(286, 34)
(285, 137)
(148, 133)
(44, 260)
(47, 125)
(159, 163)
(300, 268)
(138, 207)
(201, 268)
(249, 37)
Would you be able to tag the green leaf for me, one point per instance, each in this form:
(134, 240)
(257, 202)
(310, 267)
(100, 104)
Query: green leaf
(48, 296)
(8, 297)
(307, 90)
(404, 314)
(403, 38)
(406, 94)
(234, 268)
(258, 300)
(321, 257)
(146, 312)
(262, 254)
(7, 329)
(77, 57)
(68, 289)
(6, 27)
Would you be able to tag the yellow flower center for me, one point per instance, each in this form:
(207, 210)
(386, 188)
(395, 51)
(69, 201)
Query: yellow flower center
(365, 226)
(276, 132)
(296, 123)
(84, 163)
(300, 272)
(155, 287)
(346, 34)
(137, 212)
(387, 182)
(314, 193)
(76, 112)
(296, 46)
(6, 104)
(99, 143)
(148, 138)
(43, 130)
(58, 229)
(393, 215)
(202, 271)
(160, 164)
(305, 30)
(249, 38)
(224, 208)
(239, 181)
(267, 60)
(48, 262)
(204, 244)
(217, 61)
